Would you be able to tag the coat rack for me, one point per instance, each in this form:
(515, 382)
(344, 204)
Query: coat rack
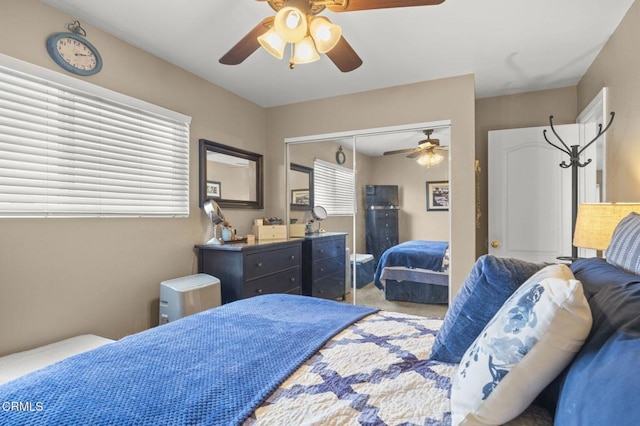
(574, 162)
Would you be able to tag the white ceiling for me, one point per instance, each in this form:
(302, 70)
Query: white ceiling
(511, 46)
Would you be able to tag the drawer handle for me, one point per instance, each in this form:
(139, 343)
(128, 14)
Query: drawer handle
(321, 269)
(259, 264)
(292, 257)
(259, 291)
(292, 279)
(321, 250)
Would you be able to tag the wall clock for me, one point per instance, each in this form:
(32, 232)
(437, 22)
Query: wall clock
(71, 51)
(340, 157)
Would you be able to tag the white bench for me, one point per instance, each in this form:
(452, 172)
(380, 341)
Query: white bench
(18, 364)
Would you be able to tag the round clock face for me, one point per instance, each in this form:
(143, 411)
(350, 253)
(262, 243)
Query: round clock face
(74, 53)
(340, 157)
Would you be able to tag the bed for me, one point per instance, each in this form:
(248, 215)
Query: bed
(521, 344)
(267, 360)
(415, 271)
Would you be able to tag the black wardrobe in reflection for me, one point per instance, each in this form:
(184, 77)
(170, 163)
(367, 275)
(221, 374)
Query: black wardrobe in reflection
(381, 218)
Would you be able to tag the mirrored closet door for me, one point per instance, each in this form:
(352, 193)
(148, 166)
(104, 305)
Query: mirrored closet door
(399, 198)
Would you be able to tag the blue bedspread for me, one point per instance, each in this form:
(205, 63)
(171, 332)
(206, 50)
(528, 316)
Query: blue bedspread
(212, 368)
(412, 254)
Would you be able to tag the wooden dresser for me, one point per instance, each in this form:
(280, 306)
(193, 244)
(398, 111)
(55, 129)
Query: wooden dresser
(245, 270)
(323, 265)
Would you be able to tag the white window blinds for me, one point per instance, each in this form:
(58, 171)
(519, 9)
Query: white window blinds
(67, 152)
(333, 188)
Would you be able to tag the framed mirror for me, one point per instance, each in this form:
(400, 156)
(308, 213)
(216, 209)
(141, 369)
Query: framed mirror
(231, 176)
(301, 184)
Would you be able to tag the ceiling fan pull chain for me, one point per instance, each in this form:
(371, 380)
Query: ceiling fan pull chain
(292, 64)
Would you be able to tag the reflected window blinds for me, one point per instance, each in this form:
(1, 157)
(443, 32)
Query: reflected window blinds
(333, 188)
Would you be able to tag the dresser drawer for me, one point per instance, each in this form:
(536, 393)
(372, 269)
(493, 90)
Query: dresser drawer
(328, 248)
(288, 281)
(267, 262)
(331, 287)
(327, 267)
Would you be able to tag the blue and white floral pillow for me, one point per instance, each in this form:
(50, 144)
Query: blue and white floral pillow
(522, 349)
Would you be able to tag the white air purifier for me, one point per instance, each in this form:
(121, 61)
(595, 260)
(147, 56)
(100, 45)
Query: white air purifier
(188, 295)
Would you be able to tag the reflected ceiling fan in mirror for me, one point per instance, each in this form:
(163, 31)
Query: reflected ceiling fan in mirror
(426, 153)
(296, 22)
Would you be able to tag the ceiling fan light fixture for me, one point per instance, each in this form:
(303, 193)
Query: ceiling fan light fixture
(429, 159)
(273, 43)
(325, 34)
(304, 52)
(291, 24)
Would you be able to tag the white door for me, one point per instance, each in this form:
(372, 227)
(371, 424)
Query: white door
(530, 194)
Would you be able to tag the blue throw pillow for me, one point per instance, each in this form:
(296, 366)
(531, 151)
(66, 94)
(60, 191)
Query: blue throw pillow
(600, 386)
(624, 248)
(489, 284)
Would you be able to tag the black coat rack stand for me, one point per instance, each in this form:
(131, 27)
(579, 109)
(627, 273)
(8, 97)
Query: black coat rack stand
(574, 162)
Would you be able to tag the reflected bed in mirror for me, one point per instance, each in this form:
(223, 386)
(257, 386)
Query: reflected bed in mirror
(301, 182)
(230, 176)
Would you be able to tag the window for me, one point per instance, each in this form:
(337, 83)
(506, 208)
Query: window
(333, 188)
(67, 152)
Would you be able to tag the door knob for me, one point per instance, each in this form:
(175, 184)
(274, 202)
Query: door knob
(495, 244)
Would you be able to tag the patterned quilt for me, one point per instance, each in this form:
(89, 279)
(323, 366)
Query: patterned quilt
(376, 372)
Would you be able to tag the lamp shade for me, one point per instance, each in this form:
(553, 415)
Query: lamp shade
(291, 24)
(273, 43)
(305, 52)
(430, 159)
(596, 222)
(324, 33)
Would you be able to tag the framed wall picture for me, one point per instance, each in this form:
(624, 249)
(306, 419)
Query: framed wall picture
(438, 196)
(300, 197)
(214, 189)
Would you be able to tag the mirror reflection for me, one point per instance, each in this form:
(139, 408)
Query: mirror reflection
(409, 220)
(301, 181)
(230, 176)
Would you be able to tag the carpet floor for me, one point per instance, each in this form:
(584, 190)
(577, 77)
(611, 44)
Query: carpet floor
(370, 295)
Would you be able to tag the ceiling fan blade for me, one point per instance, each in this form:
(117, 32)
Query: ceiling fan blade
(353, 5)
(429, 143)
(344, 57)
(247, 45)
(402, 151)
(416, 154)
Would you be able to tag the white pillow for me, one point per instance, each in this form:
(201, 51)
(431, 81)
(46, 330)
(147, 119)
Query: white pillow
(524, 347)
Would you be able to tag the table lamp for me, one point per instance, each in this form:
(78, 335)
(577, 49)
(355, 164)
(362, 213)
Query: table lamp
(597, 221)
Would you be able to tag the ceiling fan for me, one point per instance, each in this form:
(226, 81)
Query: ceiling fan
(296, 22)
(426, 152)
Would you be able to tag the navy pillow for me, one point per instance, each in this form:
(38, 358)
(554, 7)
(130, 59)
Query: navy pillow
(601, 386)
(489, 284)
(624, 248)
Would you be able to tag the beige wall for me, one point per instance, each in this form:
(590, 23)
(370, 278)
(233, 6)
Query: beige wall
(63, 277)
(510, 112)
(617, 67)
(447, 99)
